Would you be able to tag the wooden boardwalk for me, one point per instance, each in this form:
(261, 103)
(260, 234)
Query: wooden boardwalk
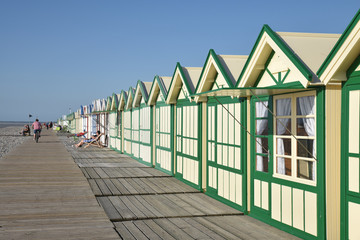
(44, 195)
(144, 203)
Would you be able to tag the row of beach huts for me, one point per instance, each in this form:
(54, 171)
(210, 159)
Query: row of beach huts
(274, 134)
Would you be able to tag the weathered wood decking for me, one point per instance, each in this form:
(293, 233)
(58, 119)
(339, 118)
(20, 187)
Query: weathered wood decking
(144, 203)
(44, 195)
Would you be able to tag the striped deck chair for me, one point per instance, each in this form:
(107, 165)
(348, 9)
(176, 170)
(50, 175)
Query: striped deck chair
(95, 142)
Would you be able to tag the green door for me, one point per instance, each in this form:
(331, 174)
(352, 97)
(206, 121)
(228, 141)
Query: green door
(226, 156)
(350, 162)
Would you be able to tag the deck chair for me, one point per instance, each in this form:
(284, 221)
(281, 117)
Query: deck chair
(95, 142)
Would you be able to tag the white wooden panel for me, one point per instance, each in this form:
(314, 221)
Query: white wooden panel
(213, 151)
(215, 184)
(226, 184)
(196, 169)
(298, 209)
(219, 154)
(238, 180)
(237, 125)
(220, 182)
(257, 193)
(232, 185)
(213, 125)
(354, 174)
(354, 220)
(231, 157)
(209, 153)
(210, 177)
(195, 148)
(225, 125)
(225, 155)
(219, 125)
(311, 213)
(196, 121)
(354, 100)
(209, 123)
(265, 195)
(286, 208)
(237, 158)
(231, 124)
(179, 164)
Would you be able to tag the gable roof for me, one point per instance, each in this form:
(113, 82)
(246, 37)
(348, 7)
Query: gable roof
(122, 100)
(302, 52)
(130, 97)
(160, 84)
(343, 54)
(141, 91)
(188, 76)
(114, 102)
(108, 103)
(228, 66)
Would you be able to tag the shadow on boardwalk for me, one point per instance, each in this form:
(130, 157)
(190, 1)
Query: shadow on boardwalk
(144, 203)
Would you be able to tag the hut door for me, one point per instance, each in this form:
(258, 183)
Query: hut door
(225, 179)
(351, 160)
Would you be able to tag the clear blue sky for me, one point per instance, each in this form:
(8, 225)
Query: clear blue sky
(56, 55)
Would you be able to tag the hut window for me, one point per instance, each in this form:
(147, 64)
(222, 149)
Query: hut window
(294, 156)
(261, 131)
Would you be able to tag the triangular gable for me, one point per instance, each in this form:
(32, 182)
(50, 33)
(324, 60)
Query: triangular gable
(342, 56)
(182, 84)
(141, 93)
(122, 101)
(219, 71)
(158, 89)
(274, 63)
(108, 103)
(130, 97)
(103, 105)
(114, 102)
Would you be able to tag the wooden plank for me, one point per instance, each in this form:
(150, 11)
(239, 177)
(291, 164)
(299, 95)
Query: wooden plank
(184, 205)
(122, 208)
(101, 172)
(130, 188)
(193, 232)
(123, 231)
(92, 173)
(111, 187)
(137, 187)
(215, 205)
(209, 232)
(122, 189)
(149, 206)
(103, 188)
(163, 234)
(204, 221)
(140, 206)
(144, 187)
(94, 187)
(146, 230)
(132, 207)
(162, 208)
(134, 230)
(109, 208)
(173, 230)
(204, 209)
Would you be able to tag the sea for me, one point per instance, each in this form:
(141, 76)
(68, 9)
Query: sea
(12, 124)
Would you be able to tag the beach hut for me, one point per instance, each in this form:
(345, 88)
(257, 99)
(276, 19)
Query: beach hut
(141, 123)
(163, 125)
(113, 121)
(128, 122)
(340, 73)
(120, 121)
(188, 132)
(70, 118)
(92, 119)
(225, 159)
(286, 160)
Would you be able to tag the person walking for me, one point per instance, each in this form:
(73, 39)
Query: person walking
(37, 127)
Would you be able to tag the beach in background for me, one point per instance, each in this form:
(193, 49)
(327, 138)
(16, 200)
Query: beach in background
(10, 136)
(13, 124)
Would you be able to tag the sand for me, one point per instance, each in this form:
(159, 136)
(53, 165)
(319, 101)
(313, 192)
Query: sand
(10, 138)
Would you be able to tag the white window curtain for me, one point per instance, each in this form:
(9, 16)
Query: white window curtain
(93, 125)
(261, 125)
(307, 107)
(283, 108)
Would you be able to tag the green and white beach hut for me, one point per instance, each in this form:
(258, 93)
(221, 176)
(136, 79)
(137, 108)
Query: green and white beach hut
(163, 125)
(127, 120)
(224, 161)
(141, 124)
(113, 120)
(187, 127)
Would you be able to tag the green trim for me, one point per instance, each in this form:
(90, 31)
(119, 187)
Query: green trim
(183, 77)
(339, 43)
(284, 48)
(220, 66)
(130, 98)
(266, 66)
(161, 85)
(351, 71)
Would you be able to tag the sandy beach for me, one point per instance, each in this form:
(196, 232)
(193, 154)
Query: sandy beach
(10, 138)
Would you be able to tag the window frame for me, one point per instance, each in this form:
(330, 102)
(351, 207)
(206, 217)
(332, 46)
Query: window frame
(293, 118)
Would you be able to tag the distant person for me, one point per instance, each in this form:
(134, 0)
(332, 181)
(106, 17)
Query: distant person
(26, 130)
(50, 125)
(37, 127)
